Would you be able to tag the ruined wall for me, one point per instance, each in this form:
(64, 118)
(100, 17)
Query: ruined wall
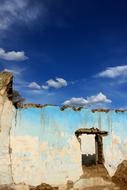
(44, 144)
(38, 143)
(6, 116)
(44, 139)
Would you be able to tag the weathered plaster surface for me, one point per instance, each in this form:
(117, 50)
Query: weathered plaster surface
(6, 116)
(38, 144)
(43, 143)
(43, 147)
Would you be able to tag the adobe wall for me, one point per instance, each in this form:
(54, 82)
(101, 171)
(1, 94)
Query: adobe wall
(38, 143)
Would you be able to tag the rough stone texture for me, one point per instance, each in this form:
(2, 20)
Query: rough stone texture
(120, 175)
(6, 115)
(94, 176)
(6, 81)
(43, 186)
(90, 131)
(97, 178)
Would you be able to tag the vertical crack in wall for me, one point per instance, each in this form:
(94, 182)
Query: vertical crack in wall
(99, 121)
(108, 122)
(16, 113)
(1, 113)
(10, 148)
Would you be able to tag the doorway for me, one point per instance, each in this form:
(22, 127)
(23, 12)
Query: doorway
(91, 143)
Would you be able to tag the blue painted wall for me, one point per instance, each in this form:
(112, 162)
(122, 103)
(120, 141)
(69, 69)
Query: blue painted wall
(44, 142)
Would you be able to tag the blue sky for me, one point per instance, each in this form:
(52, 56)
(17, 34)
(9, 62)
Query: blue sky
(66, 52)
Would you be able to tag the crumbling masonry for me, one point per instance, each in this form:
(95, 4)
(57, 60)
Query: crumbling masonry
(47, 147)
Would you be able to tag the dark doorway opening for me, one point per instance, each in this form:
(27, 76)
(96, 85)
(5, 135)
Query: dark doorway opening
(93, 145)
(88, 160)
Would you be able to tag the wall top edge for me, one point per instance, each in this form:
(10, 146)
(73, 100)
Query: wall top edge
(62, 108)
(6, 79)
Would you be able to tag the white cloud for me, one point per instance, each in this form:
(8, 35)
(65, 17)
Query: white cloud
(58, 83)
(45, 87)
(14, 72)
(99, 98)
(17, 11)
(34, 85)
(12, 55)
(113, 72)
